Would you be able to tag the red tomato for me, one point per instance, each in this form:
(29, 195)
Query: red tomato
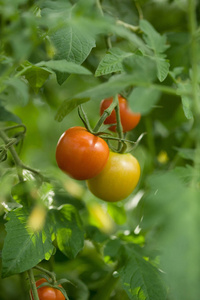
(47, 292)
(118, 178)
(81, 154)
(129, 119)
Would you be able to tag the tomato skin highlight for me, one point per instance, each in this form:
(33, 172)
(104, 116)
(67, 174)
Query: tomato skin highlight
(118, 178)
(81, 154)
(129, 119)
(47, 292)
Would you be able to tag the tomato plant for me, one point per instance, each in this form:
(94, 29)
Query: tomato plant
(129, 119)
(48, 292)
(58, 60)
(81, 154)
(118, 178)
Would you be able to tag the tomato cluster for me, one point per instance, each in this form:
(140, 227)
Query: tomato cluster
(84, 155)
(48, 292)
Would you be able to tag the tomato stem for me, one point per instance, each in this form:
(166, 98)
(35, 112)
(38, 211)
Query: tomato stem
(49, 273)
(33, 285)
(105, 114)
(121, 144)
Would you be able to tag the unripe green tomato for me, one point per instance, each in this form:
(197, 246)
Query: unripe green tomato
(118, 178)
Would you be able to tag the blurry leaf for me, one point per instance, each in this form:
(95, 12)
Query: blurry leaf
(153, 39)
(111, 62)
(143, 99)
(117, 212)
(20, 90)
(142, 67)
(6, 115)
(158, 44)
(186, 153)
(186, 100)
(187, 173)
(141, 280)
(65, 67)
(36, 76)
(112, 250)
(68, 229)
(172, 210)
(21, 244)
(67, 106)
(95, 235)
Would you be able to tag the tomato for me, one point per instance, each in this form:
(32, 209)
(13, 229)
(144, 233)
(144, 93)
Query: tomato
(81, 154)
(129, 119)
(118, 178)
(47, 292)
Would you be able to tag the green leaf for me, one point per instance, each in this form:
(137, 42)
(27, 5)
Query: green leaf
(186, 100)
(143, 99)
(186, 153)
(111, 62)
(21, 95)
(67, 106)
(64, 66)
(72, 44)
(68, 229)
(141, 280)
(23, 249)
(153, 39)
(6, 115)
(142, 67)
(172, 211)
(158, 44)
(117, 212)
(162, 67)
(36, 76)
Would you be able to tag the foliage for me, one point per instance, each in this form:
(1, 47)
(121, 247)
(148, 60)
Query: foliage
(55, 56)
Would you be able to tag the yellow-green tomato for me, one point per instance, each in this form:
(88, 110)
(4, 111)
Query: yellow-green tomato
(118, 178)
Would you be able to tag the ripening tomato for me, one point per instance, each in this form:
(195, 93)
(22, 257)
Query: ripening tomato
(81, 154)
(47, 292)
(129, 119)
(118, 178)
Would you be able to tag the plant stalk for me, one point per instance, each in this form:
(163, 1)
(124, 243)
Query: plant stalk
(33, 285)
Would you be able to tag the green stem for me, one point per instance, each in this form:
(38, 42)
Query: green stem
(105, 114)
(32, 284)
(49, 273)
(14, 154)
(121, 144)
(105, 292)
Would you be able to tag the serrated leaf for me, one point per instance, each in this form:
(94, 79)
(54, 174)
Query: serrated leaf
(143, 99)
(68, 229)
(111, 62)
(162, 68)
(6, 115)
(23, 249)
(153, 39)
(72, 44)
(158, 44)
(64, 66)
(141, 280)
